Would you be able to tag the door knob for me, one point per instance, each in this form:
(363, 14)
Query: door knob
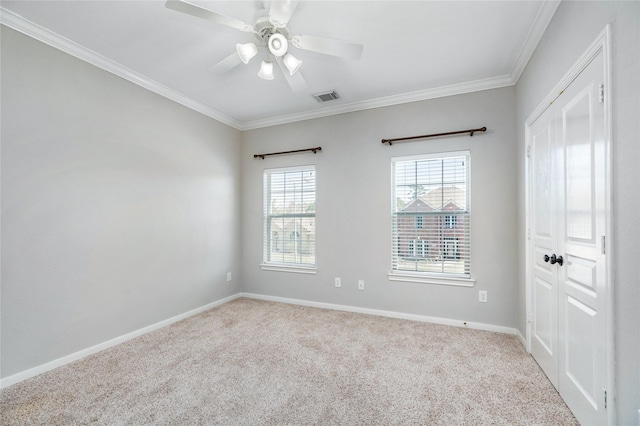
(553, 259)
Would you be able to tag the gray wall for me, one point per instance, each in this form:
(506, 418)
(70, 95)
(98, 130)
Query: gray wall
(354, 205)
(574, 27)
(119, 207)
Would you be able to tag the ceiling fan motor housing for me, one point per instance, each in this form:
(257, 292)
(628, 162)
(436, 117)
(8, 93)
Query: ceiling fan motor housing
(278, 44)
(275, 39)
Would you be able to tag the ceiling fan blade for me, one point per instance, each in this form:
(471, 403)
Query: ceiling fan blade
(281, 11)
(328, 46)
(296, 81)
(200, 12)
(227, 64)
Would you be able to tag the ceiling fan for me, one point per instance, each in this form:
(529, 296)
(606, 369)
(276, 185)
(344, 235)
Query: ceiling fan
(271, 30)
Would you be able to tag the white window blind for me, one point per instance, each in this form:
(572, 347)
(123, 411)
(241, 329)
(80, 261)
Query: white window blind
(430, 215)
(290, 216)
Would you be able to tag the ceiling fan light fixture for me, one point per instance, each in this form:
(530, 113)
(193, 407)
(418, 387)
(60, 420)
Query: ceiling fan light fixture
(278, 44)
(246, 51)
(292, 63)
(266, 70)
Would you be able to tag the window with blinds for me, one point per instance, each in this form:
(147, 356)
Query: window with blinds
(430, 215)
(290, 217)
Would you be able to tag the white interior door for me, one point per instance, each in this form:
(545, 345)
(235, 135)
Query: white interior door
(569, 288)
(582, 280)
(544, 330)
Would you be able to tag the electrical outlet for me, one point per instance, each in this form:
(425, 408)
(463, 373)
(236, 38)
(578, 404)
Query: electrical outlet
(360, 284)
(338, 282)
(482, 296)
(228, 276)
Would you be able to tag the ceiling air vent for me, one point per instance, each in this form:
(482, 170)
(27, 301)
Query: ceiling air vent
(326, 97)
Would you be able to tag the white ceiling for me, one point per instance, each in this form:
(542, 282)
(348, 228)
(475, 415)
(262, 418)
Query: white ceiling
(413, 50)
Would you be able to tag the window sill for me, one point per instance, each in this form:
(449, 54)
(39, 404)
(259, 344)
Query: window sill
(430, 279)
(298, 269)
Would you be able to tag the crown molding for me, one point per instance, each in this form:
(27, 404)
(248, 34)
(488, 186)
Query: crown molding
(18, 23)
(541, 22)
(421, 95)
(545, 14)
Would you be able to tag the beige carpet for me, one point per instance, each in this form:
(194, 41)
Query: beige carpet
(252, 362)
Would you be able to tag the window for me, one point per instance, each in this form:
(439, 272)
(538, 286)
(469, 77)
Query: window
(290, 219)
(431, 219)
(418, 248)
(450, 248)
(450, 222)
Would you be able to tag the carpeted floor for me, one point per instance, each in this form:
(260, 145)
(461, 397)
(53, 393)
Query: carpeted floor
(251, 362)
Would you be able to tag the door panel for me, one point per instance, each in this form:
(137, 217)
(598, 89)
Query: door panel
(542, 168)
(581, 274)
(580, 366)
(577, 118)
(544, 325)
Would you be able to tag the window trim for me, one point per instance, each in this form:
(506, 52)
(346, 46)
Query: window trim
(288, 267)
(459, 280)
(427, 278)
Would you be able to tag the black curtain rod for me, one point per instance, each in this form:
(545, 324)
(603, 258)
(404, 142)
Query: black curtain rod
(314, 150)
(470, 131)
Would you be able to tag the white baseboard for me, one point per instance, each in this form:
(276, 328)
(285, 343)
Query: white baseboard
(382, 313)
(32, 372)
(521, 338)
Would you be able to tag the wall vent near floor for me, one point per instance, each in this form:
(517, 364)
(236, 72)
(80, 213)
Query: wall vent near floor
(326, 97)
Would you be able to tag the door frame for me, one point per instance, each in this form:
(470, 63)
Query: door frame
(601, 43)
